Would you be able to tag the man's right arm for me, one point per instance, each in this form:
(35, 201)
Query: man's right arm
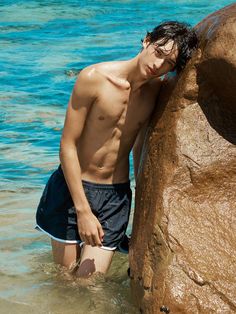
(81, 100)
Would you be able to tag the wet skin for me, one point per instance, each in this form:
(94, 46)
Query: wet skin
(107, 116)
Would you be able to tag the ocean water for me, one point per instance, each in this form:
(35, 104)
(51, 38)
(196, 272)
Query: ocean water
(43, 44)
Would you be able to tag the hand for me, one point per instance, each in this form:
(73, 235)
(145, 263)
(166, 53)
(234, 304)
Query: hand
(90, 230)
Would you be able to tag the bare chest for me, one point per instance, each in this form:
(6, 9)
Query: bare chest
(122, 109)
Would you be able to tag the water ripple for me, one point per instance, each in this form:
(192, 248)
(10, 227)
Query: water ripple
(44, 44)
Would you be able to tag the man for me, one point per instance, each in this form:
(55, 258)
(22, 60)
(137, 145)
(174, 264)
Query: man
(87, 199)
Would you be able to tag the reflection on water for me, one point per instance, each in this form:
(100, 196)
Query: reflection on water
(47, 289)
(30, 281)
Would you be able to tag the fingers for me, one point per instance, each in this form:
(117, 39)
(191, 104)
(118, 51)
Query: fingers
(90, 231)
(97, 239)
(87, 239)
(91, 239)
(83, 239)
(100, 233)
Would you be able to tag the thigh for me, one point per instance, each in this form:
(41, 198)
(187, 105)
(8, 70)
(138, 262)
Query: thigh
(94, 259)
(65, 254)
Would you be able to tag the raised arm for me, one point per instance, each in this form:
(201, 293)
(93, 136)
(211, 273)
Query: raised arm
(81, 101)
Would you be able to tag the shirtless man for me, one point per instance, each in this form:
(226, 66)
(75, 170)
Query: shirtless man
(86, 203)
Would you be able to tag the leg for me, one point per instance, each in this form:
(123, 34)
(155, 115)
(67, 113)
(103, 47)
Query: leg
(94, 259)
(65, 254)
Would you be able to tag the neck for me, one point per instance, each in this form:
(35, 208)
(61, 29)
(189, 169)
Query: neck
(132, 74)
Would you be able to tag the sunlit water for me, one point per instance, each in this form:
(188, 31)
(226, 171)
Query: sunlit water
(43, 45)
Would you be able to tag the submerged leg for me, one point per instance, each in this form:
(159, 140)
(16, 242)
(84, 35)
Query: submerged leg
(94, 259)
(65, 254)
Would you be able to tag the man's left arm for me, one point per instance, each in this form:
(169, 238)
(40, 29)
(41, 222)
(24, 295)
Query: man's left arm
(137, 148)
(155, 86)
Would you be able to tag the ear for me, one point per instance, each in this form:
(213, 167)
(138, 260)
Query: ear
(146, 41)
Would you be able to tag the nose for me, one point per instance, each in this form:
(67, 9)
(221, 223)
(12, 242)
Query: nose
(158, 63)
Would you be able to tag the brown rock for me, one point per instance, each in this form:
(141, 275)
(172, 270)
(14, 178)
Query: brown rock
(183, 247)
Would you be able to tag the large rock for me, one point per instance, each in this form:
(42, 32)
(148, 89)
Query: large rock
(183, 247)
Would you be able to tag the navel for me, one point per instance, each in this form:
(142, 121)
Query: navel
(101, 118)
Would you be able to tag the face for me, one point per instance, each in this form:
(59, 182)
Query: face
(156, 59)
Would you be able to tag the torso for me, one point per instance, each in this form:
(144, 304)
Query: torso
(112, 125)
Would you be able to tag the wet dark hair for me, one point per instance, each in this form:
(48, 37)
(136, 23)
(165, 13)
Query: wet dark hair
(182, 34)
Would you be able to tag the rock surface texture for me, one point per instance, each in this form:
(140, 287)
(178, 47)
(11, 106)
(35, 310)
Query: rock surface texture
(183, 247)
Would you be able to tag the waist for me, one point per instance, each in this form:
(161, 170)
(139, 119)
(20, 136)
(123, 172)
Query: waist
(101, 185)
(107, 186)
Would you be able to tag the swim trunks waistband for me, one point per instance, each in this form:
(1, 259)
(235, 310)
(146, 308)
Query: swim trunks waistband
(115, 186)
(109, 186)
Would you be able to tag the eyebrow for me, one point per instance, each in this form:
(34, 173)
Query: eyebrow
(172, 61)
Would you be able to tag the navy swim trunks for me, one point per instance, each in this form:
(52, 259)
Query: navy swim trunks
(110, 203)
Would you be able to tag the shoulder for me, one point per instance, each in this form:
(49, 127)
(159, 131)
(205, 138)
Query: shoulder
(154, 86)
(151, 89)
(96, 73)
(88, 82)
(89, 75)
(109, 72)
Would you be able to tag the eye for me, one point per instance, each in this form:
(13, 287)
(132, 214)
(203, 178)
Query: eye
(158, 51)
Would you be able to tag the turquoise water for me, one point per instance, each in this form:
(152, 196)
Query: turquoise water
(43, 45)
